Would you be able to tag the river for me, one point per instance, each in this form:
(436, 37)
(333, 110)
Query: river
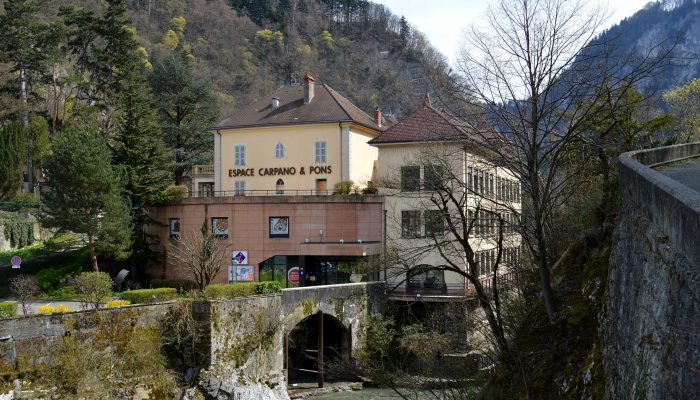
(364, 394)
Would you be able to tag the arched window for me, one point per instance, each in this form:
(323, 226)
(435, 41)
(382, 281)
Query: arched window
(279, 150)
(279, 186)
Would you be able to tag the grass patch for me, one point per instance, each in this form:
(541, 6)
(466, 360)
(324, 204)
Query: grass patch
(7, 309)
(51, 263)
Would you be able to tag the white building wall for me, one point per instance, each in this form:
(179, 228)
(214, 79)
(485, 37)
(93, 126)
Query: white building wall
(419, 251)
(362, 157)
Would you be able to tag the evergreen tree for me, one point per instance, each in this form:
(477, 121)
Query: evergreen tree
(12, 153)
(86, 194)
(138, 145)
(186, 109)
(104, 49)
(27, 45)
(138, 149)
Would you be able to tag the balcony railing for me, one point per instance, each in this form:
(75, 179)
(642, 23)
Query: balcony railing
(202, 170)
(449, 292)
(272, 193)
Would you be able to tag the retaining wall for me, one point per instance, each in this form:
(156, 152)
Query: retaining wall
(651, 332)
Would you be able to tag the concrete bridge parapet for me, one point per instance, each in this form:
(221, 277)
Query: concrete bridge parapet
(651, 331)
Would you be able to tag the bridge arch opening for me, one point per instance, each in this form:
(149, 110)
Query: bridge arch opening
(315, 350)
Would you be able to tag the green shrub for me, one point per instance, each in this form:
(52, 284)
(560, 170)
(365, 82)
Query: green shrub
(267, 287)
(230, 290)
(175, 193)
(64, 293)
(7, 309)
(346, 187)
(50, 279)
(92, 288)
(149, 295)
(184, 284)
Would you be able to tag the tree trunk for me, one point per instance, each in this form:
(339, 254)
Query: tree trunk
(25, 124)
(496, 328)
(93, 255)
(547, 292)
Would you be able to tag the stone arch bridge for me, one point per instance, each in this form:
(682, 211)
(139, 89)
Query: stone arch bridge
(257, 345)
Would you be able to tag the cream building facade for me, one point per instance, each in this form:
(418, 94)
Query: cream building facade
(303, 139)
(417, 156)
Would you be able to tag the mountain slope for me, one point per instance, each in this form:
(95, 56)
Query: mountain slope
(660, 25)
(357, 47)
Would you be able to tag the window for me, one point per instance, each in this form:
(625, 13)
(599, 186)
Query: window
(410, 178)
(239, 155)
(174, 229)
(279, 150)
(491, 192)
(434, 223)
(433, 177)
(410, 223)
(481, 182)
(470, 181)
(320, 152)
(219, 227)
(279, 227)
(279, 186)
(239, 187)
(419, 278)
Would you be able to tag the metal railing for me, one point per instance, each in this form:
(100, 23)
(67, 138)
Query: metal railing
(285, 192)
(409, 292)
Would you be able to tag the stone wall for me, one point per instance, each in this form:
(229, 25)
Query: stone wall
(241, 339)
(27, 344)
(651, 331)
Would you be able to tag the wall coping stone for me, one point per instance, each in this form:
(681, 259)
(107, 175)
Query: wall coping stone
(667, 203)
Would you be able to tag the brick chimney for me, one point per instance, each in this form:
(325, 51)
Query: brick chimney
(378, 116)
(308, 88)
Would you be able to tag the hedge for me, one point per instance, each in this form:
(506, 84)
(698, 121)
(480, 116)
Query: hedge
(7, 309)
(185, 284)
(149, 295)
(241, 289)
(229, 290)
(267, 287)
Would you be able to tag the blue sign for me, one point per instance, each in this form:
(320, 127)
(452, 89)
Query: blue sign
(240, 257)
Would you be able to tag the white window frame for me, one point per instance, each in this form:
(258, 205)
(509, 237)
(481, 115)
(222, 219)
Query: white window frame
(280, 150)
(239, 160)
(317, 154)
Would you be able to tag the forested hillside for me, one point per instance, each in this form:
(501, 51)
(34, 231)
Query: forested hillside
(247, 48)
(658, 26)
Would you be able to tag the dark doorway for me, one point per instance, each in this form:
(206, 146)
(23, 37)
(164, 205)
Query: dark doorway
(317, 350)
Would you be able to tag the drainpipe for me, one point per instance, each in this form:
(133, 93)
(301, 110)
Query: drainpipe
(386, 283)
(340, 126)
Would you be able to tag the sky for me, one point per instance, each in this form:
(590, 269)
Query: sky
(444, 21)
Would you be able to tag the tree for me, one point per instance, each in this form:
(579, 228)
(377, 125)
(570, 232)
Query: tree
(24, 287)
(684, 102)
(103, 48)
(186, 108)
(13, 152)
(92, 288)
(533, 74)
(201, 255)
(86, 193)
(28, 45)
(138, 150)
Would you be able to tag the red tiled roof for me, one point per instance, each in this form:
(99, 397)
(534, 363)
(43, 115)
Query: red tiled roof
(327, 105)
(428, 124)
